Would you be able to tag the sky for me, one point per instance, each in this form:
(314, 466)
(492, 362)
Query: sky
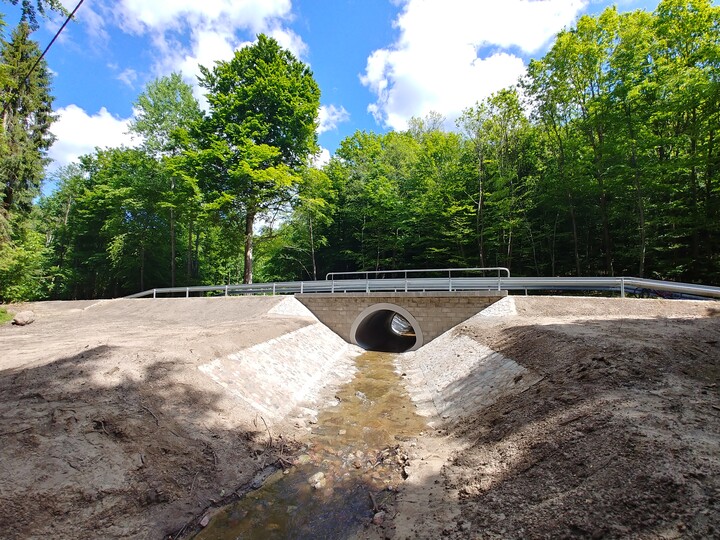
(378, 62)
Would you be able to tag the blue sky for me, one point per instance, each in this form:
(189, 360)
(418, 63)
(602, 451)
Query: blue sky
(378, 62)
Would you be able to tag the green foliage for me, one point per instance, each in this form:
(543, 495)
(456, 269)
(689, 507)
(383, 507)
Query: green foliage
(165, 111)
(22, 266)
(24, 141)
(30, 10)
(259, 133)
(5, 316)
(615, 170)
(26, 119)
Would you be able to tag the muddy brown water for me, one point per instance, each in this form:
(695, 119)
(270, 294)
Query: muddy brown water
(350, 469)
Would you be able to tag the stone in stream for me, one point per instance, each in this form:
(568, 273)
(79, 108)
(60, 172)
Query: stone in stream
(320, 484)
(318, 480)
(378, 518)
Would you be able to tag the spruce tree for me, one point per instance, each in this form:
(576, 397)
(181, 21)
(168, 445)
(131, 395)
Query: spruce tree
(26, 119)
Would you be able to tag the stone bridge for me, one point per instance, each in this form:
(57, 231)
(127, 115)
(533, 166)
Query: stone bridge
(396, 322)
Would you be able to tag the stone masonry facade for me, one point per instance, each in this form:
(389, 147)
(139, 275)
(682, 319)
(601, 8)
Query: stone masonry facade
(435, 312)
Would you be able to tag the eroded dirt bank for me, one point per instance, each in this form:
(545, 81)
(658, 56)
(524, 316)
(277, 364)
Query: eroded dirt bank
(116, 421)
(602, 421)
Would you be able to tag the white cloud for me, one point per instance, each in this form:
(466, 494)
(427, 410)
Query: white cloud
(79, 133)
(330, 116)
(189, 33)
(128, 76)
(159, 15)
(321, 159)
(434, 65)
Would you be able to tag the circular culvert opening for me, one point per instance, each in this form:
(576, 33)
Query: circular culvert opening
(386, 328)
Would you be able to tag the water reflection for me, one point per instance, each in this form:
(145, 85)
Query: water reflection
(350, 469)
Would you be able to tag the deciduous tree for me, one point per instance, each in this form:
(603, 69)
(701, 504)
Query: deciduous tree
(259, 132)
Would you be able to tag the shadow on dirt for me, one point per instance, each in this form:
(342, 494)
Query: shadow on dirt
(95, 447)
(618, 439)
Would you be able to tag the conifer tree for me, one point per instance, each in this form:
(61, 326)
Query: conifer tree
(25, 121)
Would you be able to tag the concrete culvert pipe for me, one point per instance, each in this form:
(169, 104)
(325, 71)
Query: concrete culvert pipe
(386, 328)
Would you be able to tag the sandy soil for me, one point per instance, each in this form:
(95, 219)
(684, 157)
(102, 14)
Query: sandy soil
(109, 429)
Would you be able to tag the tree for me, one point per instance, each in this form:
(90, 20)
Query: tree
(26, 119)
(166, 111)
(498, 130)
(163, 111)
(30, 11)
(260, 130)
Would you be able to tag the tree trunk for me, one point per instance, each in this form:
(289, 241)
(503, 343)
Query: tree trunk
(479, 217)
(172, 247)
(248, 268)
(552, 249)
(575, 235)
(189, 252)
(638, 192)
(312, 249)
(694, 188)
(142, 268)
(196, 258)
(606, 228)
(641, 213)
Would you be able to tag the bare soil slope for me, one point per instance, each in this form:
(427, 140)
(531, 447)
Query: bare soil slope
(618, 437)
(107, 427)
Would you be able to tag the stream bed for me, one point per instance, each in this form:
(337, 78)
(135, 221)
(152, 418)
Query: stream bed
(349, 471)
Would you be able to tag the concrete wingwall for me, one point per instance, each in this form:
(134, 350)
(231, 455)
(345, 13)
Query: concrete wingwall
(433, 312)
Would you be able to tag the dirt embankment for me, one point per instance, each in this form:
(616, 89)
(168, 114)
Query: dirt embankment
(617, 436)
(109, 427)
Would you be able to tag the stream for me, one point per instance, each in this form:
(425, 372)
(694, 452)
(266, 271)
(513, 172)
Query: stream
(350, 470)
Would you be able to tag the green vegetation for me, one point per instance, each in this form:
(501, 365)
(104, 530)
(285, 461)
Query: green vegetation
(5, 316)
(604, 161)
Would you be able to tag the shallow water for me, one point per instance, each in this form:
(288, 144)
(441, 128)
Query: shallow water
(353, 464)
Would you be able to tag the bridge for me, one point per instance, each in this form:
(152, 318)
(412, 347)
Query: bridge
(401, 310)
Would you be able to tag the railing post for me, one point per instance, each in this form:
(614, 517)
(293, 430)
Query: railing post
(187, 292)
(273, 289)
(332, 286)
(622, 287)
(226, 290)
(367, 285)
(406, 283)
(449, 284)
(302, 287)
(154, 293)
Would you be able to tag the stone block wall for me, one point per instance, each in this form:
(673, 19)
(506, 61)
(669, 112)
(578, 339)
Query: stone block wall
(435, 312)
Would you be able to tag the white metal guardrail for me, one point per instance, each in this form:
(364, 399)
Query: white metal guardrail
(621, 285)
(331, 276)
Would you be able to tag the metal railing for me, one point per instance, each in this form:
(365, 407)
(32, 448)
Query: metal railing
(332, 275)
(386, 282)
(621, 285)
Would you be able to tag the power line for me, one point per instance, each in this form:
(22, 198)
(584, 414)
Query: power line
(26, 80)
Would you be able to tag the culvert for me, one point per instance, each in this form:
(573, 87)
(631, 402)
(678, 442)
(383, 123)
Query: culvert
(386, 328)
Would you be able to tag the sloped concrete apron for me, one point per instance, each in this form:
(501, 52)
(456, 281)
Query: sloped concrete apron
(277, 376)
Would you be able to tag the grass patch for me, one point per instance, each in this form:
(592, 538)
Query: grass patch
(5, 316)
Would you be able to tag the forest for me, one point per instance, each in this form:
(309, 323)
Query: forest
(603, 160)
